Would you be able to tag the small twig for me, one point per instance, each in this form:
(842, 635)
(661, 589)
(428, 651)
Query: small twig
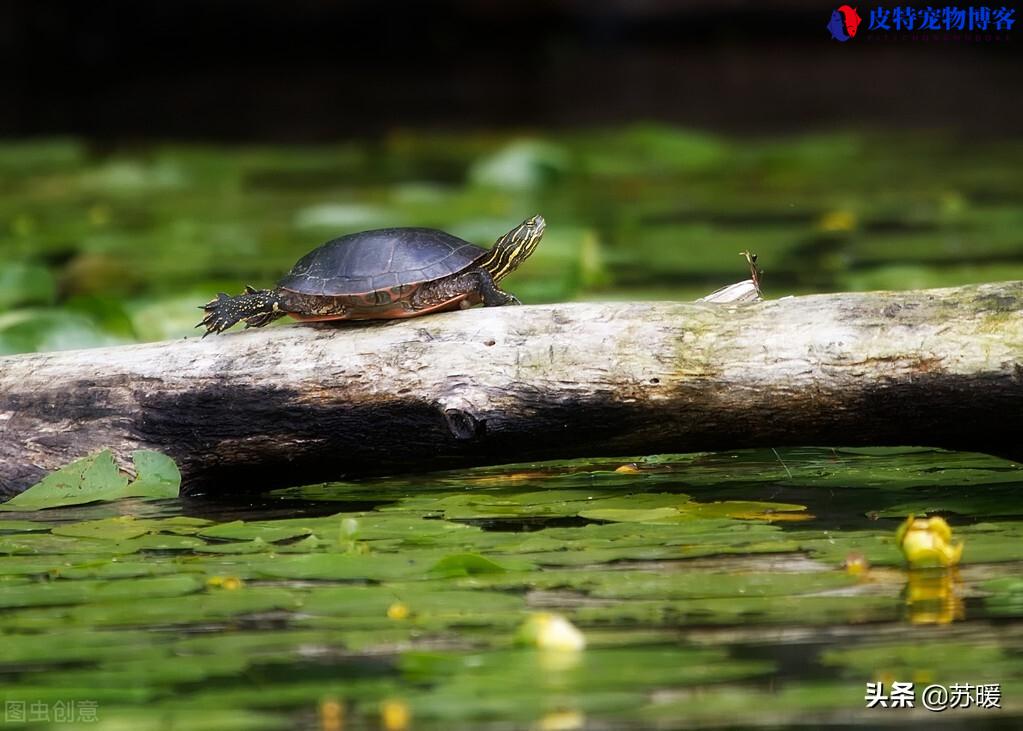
(755, 273)
(787, 472)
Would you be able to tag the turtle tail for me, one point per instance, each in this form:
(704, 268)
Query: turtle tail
(256, 307)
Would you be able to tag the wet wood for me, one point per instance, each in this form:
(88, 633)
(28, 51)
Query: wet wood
(265, 408)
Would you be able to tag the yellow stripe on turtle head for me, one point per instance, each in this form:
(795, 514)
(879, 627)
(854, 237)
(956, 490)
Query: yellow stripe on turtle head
(514, 247)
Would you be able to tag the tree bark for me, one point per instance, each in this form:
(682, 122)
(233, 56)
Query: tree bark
(283, 406)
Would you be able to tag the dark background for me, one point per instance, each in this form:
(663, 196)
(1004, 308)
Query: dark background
(311, 70)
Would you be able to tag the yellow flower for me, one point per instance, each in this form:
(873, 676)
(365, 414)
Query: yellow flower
(837, 221)
(856, 564)
(550, 631)
(225, 582)
(927, 542)
(398, 611)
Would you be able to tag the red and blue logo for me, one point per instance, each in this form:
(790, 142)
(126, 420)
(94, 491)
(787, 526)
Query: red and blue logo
(844, 23)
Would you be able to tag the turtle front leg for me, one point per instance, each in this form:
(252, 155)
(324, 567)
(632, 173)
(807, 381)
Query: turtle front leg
(491, 294)
(255, 307)
(477, 282)
(482, 282)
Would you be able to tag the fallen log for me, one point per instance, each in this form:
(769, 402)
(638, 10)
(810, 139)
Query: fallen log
(292, 405)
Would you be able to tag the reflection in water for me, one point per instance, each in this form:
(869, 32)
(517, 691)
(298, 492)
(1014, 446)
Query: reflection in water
(934, 596)
(332, 715)
(395, 715)
(561, 721)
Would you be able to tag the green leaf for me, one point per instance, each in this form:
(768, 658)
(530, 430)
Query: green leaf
(465, 564)
(157, 476)
(341, 566)
(96, 478)
(113, 529)
(84, 481)
(64, 591)
(256, 545)
(633, 515)
(23, 526)
(265, 530)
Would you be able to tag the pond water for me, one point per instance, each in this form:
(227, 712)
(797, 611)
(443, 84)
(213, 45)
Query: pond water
(710, 588)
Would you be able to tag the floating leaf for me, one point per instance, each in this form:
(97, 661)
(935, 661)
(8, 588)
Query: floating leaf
(256, 545)
(110, 529)
(342, 566)
(268, 531)
(83, 481)
(23, 526)
(97, 478)
(689, 510)
(64, 591)
(465, 564)
(157, 476)
(633, 515)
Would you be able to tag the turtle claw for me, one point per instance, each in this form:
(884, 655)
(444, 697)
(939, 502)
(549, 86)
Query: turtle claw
(215, 320)
(256, 307)
(214, 324)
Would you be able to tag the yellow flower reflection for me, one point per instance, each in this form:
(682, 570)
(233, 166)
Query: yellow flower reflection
(332, 715)
(395, 715)
(561, 721)
(933, 597)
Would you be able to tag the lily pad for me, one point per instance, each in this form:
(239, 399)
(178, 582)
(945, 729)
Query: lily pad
(111, 529)
(267, 531)
(465, 564)
(24, 526)
(97, 478)
(65, 591)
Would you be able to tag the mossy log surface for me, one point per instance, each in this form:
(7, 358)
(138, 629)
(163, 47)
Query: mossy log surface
(300, 404)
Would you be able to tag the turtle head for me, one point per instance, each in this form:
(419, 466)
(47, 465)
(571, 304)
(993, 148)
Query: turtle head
(514, 247)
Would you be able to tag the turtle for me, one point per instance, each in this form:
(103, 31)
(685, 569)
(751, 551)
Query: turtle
(383, 274)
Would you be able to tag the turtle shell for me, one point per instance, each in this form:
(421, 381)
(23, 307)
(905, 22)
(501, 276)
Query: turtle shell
(383, 259)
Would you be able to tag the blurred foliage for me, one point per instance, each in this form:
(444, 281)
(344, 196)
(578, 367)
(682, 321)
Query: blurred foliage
(100, 247)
